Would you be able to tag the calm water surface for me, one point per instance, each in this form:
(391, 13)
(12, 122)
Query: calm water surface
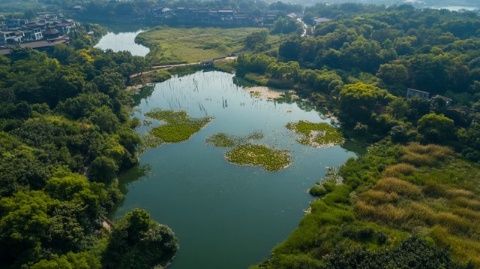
(123, 41)
(225, 216)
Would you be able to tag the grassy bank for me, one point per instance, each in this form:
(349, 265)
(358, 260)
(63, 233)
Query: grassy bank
(190, 45)
(394, 205)
(178, 126)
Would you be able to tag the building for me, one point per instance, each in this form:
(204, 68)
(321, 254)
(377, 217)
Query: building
(412, 93)
(11, 37)
(319, 20)
(447, 101)
(46, 30)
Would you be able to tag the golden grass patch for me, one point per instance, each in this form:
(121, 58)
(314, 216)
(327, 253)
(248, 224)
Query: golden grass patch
(404, 188)
(399, 170)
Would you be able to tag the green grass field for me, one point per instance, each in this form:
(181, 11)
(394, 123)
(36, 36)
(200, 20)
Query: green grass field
(190, 45)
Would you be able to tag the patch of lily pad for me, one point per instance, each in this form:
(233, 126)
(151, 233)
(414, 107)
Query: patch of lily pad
(178, 125)
(244, 153)
(259, 155)
(316, 134)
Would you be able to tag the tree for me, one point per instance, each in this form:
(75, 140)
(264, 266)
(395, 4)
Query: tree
(137, 241)
(103, 169)
(285, 25)
(436, 128)
(393, 74)
(105, 119)
(290, 50)
(256, 40)
(358, 101)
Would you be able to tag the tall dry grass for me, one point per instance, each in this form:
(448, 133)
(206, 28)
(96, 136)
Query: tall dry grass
(395, 185)
(424, 155)
(376, 197)
(399, 169)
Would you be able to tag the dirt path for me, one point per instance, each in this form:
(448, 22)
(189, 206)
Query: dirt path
(170, 66)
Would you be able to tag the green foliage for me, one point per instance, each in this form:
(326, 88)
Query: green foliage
(178, 126)
(358, 101)
(436, 128)
(285, 25)
(259, 155)
(138, 241)
(63, 118)
(256, 41)
(411, 253)
(316, 134)
(368, 212)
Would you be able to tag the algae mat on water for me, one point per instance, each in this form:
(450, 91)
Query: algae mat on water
(316, 134)
(224, 140)
(259, 155)
(178, 125)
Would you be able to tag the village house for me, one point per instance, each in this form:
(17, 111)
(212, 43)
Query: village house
(413, 93)
(211, 17)
(11, 37)
(46, 30)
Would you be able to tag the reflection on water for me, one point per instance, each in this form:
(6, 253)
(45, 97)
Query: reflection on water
(225, 216)
(124, 41)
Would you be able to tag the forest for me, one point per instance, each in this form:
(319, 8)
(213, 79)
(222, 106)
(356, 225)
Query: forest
(65, 135)
(405, 82)
(411, 201)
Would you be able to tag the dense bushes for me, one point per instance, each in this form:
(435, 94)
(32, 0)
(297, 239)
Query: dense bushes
(139, 242)
(65, 135)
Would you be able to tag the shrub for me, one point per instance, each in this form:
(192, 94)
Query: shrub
(399, 186)
(454, 223)
(468, 203)
(425, 155)
(399, 169)
(379, 197)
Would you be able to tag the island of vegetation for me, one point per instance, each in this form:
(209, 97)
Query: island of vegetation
(178, 125)
(316, 134)
(259, 155)
(243, 152)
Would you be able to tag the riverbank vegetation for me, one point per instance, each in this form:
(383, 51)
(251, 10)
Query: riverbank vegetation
(191, 45)
(259, 155)
(409, 86)
(316, 134)
(65, 135)
(424, 196)
(178, 125)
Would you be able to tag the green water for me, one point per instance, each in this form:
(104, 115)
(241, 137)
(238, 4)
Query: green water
(225, 216)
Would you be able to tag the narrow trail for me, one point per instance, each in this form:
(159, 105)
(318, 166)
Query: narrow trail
(170, 66)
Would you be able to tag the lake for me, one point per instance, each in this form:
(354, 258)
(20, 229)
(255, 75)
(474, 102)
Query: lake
(123, 41)
(225, 216)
